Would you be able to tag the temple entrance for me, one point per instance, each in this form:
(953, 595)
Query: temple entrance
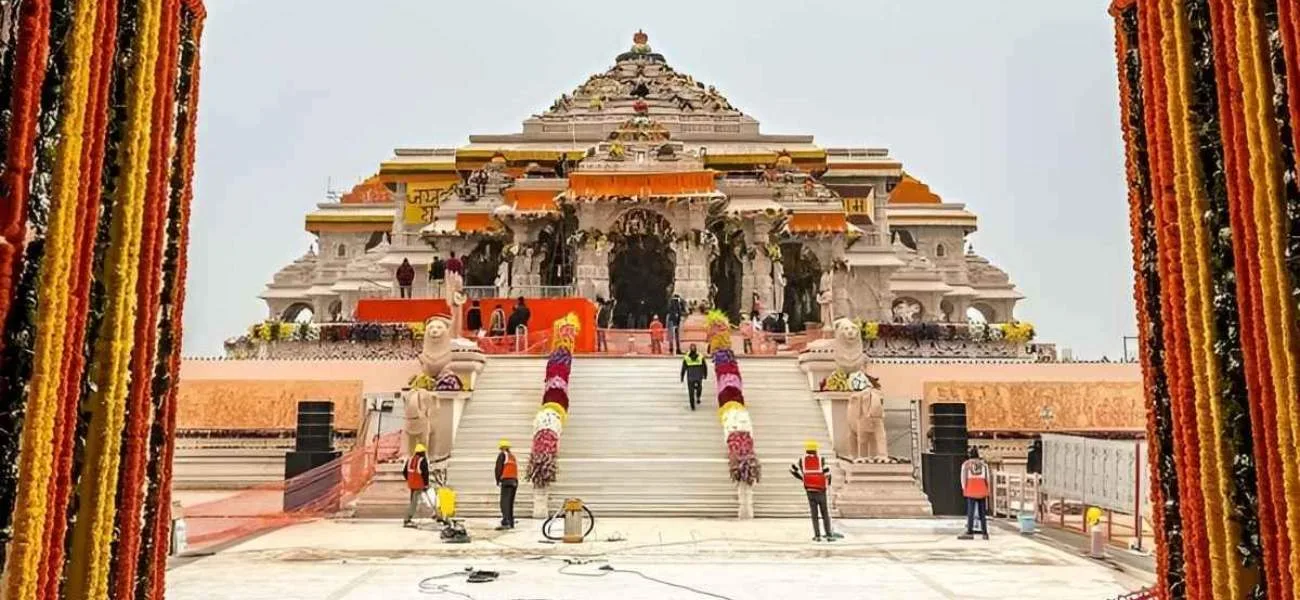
(556, 251)
(482, 264)
(641, 267)
(802, 275)
(727, 270)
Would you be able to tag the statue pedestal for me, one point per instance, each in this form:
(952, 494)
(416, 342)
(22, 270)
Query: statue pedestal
(878, 490)
(817, 364)
(541, 496)
(745, 494)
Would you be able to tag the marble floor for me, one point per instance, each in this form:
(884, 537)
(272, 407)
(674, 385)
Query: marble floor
(690, 558)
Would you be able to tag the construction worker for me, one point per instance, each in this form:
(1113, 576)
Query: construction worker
(416, 474)
(694, 372)
(507, 474)
(815, 474)
(975, 487)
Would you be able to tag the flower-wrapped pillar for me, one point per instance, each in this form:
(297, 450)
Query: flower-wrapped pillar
(737, 426)
(543, 461)
(96, 159)
(1209, 98)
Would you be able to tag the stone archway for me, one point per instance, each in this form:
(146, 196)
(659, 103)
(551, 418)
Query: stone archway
(907, 310)
(642, 266)
(483, 263)
(803, 274)
(981, 312)
(727, 269)
(296, 312)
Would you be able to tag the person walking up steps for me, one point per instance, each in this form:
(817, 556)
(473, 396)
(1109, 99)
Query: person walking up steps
(694, 372)
(815, 474)
(507, 474)
(416, 474)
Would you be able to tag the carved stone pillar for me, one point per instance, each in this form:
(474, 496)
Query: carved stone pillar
(591, 275)
(758, 274)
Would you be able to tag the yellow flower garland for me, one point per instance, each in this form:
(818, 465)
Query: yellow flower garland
(558, 410)
(35, 458)
(1277, 312)
(93, 534)
(1224, 571)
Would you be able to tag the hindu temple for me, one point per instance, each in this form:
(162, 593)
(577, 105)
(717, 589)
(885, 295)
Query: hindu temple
(643, 182)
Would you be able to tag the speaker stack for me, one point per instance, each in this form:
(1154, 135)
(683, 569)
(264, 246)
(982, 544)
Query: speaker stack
(312, 472)
(941, 467)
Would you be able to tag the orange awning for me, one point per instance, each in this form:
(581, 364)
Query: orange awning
(817, 223)
(911, 191)
(475, 223)
(531, 200)
(641, 184)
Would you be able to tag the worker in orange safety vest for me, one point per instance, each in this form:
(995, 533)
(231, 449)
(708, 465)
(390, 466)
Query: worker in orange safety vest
(815, 474)
(507, 474)
(975, 487)
(416, 474)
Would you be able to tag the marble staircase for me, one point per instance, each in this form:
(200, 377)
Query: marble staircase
(631, 446)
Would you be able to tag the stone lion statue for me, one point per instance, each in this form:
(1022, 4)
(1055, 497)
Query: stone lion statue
(421, 425)
(845, 346)
(866, 417)
(436, 354)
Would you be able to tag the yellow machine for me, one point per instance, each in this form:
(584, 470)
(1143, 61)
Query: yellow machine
(444, 512)
(446, 506)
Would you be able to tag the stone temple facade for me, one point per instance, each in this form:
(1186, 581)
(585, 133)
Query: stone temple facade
(643, 182)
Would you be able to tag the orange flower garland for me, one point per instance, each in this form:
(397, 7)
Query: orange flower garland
(73, 360)
(136, 435)
(1220, 93)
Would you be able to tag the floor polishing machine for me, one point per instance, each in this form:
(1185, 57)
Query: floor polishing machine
(444, 513)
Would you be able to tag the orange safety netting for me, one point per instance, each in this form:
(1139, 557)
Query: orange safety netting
(531, 200)
(641, 184)
(320, 492)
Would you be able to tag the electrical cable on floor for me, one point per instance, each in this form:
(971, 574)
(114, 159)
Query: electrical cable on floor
(607, 568)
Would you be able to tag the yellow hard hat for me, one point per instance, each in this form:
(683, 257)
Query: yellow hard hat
(810, 446)
(420, 448)
(504, 443)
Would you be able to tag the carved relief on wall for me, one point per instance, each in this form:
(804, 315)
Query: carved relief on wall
(262, 404)
(1035, 406)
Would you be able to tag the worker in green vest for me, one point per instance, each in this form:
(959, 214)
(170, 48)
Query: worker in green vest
(694, 372)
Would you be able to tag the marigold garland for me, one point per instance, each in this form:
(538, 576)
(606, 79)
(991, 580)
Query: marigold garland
(93, 536)
(1214, 219)
(36, 456)
(543, 464)
(73, 366)
(138, 413)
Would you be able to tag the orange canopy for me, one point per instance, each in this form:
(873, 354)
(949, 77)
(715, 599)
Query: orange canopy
(832, 222)
(641, 184)
(475, 222)
(531, 200)
(911, 191)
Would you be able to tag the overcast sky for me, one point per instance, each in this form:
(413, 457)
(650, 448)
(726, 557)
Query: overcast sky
(1007, 106)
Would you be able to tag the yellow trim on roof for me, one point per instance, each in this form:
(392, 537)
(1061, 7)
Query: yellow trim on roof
(519, 155)
(349, 219)
(403, 167)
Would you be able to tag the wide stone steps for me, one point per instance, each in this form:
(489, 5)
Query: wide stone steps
(226, 468)
(631, 445)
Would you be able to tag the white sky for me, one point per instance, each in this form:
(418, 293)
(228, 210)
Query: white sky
(1008, 106)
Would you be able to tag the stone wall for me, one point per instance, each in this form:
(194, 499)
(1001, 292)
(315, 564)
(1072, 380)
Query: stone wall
(261, 405)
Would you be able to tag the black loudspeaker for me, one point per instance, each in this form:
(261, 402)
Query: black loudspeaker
(315, 432)
(1035, 461)
(948, 428)
(313, 481)
(941, 479)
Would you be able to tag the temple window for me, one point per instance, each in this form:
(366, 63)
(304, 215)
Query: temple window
(342, 251)
(940, 251)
